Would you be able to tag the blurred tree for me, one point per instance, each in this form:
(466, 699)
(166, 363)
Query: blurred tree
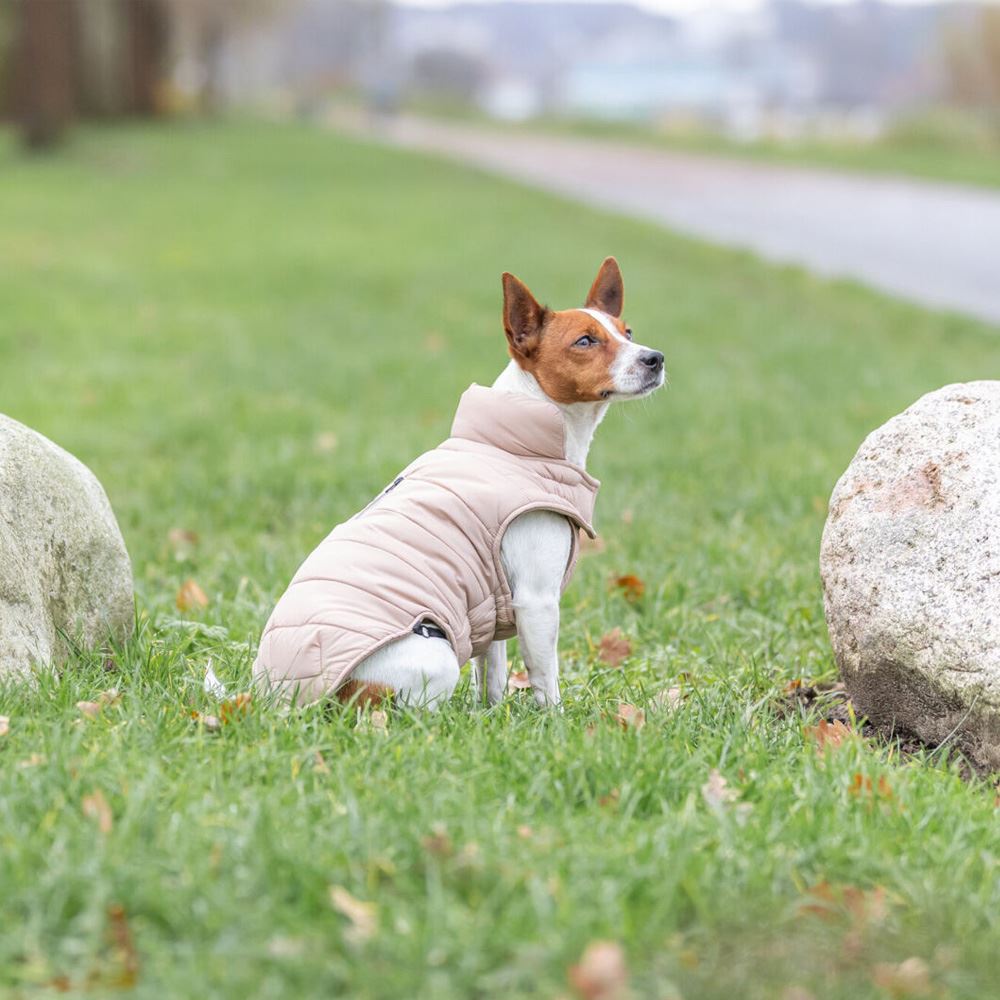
(203, 27)
(972, 60)
(44, 72)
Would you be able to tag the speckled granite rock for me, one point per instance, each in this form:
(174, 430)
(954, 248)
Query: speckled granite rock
(910, 562)
(63, 563)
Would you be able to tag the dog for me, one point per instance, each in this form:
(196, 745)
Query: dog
(475, 541)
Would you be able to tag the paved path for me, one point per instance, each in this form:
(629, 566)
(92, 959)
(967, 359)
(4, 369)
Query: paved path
(937, 244)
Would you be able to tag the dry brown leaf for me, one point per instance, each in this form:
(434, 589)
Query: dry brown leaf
(614, 648)
(518, 680)
(863, 788)
(667, 700)
(601, 973)
(437, 842)
(590, 546)
(362, 916)
(96, 808)
(716, 791)
(237, 707)
(4, 725)
(125, 956)
(857, 906)
(109, 698)
(209, 722)
(320, 766)
(182, 542)
(33, 760)
(911, 978)
(630, 717)
(630, 585)
(191, 596)
(91, 709)
(611, 800)
(828, 735)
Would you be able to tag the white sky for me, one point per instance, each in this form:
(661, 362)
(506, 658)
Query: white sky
(664, 6)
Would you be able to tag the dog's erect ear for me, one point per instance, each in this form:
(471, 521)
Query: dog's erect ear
(523, 317)
(607, 293)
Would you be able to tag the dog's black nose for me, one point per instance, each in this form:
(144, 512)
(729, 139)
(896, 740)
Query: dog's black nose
(652, 360)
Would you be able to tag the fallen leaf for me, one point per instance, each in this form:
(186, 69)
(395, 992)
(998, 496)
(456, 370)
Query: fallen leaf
(631, 586)
(125, 955)
(630, 717)
(667, 700)
(325, 442)
(32, 761)
(182, 542)
(716, 791)
(518, 680)
(828, 734)
(191, 596)
(863, 788)
(209, 722)
(601, 973)
(320, 766)
(613, 648)
(792, 688)
(437, 842)
(525, 832)
(96, 808)
(376, 720)
(91, 709)
(839, 902)
(362, 916)
(590, 546)
(109, 698)
(237, 707)
(4, 725)
(611, 800)
(911, 978)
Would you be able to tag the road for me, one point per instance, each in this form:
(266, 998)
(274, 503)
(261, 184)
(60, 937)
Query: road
(933, 243)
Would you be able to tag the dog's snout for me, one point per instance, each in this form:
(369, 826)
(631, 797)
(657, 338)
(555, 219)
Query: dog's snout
(653, 360)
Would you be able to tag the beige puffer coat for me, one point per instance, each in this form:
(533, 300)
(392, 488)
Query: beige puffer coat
(427, 547)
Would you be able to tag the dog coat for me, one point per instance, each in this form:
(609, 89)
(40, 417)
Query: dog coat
(427, 548)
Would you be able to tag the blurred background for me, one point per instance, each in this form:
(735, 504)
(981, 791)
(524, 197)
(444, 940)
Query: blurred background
(779, 72)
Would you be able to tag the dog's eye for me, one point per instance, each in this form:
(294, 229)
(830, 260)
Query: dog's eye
(628, 332)
(585, 341)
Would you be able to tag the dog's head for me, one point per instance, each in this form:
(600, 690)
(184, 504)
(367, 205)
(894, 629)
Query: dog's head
(580, 355)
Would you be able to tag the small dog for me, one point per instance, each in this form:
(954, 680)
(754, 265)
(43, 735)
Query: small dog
(475, 541)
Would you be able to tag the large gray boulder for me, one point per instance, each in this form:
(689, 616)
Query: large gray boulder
(910, 562)
(63, 565)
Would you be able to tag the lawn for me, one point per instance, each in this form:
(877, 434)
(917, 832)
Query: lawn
(246, 331)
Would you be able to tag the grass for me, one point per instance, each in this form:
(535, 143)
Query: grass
(193, 312)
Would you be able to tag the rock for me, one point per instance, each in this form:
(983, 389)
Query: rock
(910, 561)
(63, 564)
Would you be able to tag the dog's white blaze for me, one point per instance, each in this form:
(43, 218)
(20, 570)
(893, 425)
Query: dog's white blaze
(624, 377)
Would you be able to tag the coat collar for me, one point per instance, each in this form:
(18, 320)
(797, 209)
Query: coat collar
(511, 421)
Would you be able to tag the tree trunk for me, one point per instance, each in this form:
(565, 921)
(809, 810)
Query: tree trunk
(147, 36)
(45, 57)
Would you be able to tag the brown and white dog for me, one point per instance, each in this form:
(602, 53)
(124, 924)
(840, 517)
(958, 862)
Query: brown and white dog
(582, 360)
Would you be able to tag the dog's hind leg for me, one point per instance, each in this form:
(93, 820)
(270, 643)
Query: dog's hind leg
(491, 673)
(421, 671)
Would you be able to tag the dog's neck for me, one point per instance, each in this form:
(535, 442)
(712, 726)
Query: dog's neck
(581, 419)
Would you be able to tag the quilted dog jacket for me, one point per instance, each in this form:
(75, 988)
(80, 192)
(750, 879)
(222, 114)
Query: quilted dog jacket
(427, 547)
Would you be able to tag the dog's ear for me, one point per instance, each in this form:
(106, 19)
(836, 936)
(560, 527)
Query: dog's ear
(523, 317)
(607, 293)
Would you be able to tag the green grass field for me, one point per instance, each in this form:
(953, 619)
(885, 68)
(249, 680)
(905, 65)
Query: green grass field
(246, 331)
